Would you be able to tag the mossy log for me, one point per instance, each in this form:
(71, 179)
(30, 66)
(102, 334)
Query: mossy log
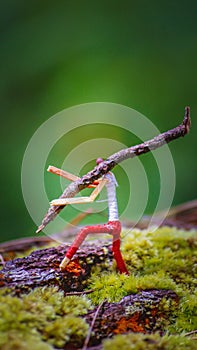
(138, 312)
(156, 298)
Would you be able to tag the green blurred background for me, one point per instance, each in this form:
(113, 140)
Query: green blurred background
(58, 54)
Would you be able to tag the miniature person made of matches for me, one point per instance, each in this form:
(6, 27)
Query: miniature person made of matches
(103, 169)
(113, 226)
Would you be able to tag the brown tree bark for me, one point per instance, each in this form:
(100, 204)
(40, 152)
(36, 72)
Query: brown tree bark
(41, 268)
(141, 312)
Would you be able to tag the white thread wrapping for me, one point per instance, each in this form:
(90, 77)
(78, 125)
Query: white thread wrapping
(112, 200)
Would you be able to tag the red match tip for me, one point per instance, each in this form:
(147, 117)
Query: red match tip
(99, 160)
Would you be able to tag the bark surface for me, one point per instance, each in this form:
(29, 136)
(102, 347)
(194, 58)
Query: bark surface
(141, 312)
(41, 268)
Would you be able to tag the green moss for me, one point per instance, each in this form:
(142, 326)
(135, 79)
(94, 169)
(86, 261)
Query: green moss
(113, 286)
(60, 332)
(167, 249)
(149, 342)
(14, 340)
(42, 315)
(186, 315)
(164, 259)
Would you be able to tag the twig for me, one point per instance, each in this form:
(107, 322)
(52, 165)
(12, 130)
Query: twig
(89, 291)
(113, 160)
(190, 333)
(92, 325)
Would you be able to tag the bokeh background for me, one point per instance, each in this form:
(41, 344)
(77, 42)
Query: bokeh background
(59, 54)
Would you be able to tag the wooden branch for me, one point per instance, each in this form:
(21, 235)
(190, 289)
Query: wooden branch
(113, 160)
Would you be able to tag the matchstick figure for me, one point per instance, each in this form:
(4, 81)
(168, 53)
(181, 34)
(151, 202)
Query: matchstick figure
(113, 226)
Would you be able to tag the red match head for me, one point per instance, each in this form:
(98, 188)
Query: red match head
(99, 160)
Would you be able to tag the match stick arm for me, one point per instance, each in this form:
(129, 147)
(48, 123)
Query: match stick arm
(98, 189)
(81, 200)
(65, 174)
(52, 169)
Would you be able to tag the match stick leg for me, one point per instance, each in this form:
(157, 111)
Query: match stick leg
(113, 228)
(75, 245)
(118, 256)
(105, 228)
